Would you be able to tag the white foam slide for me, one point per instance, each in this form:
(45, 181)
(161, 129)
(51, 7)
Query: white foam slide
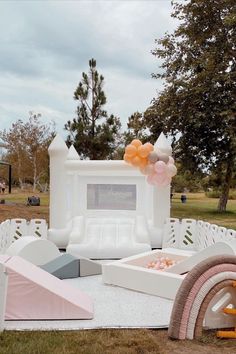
(35, 250)
(226, 247)
(132, 272)
(108, 238)
(103, 190)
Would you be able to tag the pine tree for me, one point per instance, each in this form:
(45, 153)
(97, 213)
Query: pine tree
(94, 134)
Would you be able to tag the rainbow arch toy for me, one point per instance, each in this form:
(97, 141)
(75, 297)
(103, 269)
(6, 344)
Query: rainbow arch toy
(207, 282)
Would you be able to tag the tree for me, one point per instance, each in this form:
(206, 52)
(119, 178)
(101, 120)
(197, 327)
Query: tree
(27, 144)
(198, 103)
(94, 134)
(136, 128)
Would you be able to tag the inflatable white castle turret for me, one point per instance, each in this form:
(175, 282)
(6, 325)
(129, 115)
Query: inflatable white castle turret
(160, 193)
(58, 152)
(160, 198)
(163, 144)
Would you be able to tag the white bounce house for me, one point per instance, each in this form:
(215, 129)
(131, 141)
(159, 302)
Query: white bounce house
(104, 209)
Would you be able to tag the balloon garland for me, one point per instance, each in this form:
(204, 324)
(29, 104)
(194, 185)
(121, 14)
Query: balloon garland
(156, 165)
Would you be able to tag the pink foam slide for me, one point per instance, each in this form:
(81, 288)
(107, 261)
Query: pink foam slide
(34, 294)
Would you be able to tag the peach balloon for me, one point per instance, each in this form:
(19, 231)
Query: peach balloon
(127, 158)
(147, 170)
(143, 171)
(136, 143)
(149, 146)
(136, 161)
(143, 163)
(130, 150)
(143, 151)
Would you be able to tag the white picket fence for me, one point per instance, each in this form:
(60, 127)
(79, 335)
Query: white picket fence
(194, 235)
(12, 229)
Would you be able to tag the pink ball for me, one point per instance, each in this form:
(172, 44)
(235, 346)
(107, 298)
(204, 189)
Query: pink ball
(160, 167)
(171, 160)
(165, 181)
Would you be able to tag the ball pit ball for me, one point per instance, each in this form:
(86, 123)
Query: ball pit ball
(161, 263)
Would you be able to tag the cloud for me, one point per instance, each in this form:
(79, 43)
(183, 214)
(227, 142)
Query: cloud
(46, 45)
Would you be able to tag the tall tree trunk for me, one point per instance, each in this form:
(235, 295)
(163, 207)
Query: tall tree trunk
(225, 188)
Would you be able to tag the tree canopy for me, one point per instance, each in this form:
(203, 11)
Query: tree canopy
(27, 143)
(198, 103)
(94, 133)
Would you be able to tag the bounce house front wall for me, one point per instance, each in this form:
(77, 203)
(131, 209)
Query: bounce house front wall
(96, 189)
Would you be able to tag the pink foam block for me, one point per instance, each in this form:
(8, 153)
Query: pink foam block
(34, 294)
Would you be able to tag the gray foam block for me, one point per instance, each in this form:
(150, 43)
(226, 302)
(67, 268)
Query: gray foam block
(63, 267)
(88, 267)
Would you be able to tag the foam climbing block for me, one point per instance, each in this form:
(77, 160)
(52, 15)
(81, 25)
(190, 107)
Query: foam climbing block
(88, 267)
(67, 266)
(63, 267)
(34, 294)
(35, 250)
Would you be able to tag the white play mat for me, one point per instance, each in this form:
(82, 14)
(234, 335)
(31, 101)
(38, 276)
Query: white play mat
(114, 307)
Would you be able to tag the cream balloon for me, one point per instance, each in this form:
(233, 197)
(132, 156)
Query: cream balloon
(171, 170)
(153, 157)
(163, 157)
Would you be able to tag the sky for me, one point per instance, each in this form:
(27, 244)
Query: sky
(46, 45)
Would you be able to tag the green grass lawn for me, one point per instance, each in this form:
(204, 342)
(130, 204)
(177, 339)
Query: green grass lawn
(199, 207)
(20, 197)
